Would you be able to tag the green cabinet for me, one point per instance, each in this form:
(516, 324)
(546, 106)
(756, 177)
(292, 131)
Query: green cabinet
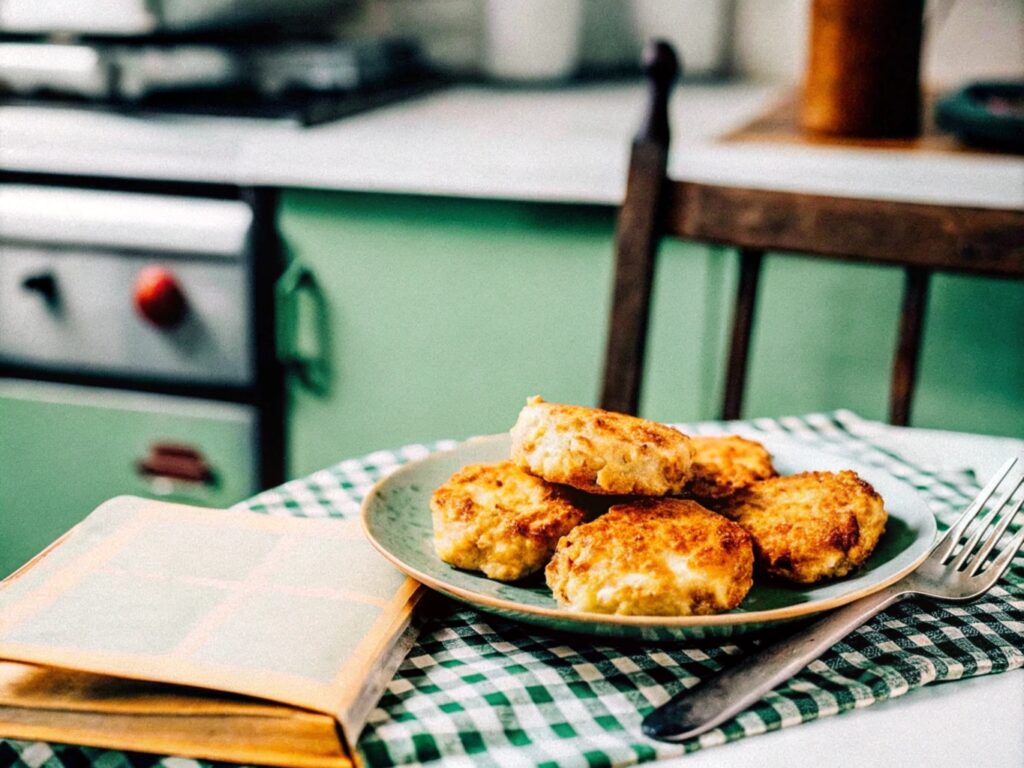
(442, 315)
(66, 449)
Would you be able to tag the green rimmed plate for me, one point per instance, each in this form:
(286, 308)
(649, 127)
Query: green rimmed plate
(396, 518)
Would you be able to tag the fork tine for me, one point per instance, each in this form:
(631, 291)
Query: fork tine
(952, 536)
(997, 534)
(984, 523)
(1001, 563)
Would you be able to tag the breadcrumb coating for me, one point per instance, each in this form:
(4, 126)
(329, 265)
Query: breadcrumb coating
(500, 520)
(724, 464)
(600, 451)
(810, 526)
(653, 557)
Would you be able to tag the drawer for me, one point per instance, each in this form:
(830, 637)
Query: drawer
(66, 449)
(70, 309)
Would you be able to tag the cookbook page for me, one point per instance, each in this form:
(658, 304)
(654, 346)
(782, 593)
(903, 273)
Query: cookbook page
(291, 610)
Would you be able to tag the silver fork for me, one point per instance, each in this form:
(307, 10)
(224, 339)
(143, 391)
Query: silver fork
(959, 568)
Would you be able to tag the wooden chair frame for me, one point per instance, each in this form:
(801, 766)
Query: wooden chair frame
(918, 238)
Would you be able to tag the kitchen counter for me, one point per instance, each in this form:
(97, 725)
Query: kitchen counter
(564, 145)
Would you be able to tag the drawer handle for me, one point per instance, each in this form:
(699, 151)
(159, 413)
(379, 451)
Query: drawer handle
(303, 328)
(177, 463)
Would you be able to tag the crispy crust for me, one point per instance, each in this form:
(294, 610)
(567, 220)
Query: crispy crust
(657, 557)
(724, 464)
(600, 451)
(811, 526)
(500, 520)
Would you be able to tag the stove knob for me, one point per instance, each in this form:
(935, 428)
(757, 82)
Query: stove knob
(159, 298)
(43, 283)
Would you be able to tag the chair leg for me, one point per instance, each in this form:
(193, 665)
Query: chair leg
(742, 322)
(908, 345)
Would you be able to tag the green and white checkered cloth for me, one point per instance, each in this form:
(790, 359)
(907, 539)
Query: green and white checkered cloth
(477, 690)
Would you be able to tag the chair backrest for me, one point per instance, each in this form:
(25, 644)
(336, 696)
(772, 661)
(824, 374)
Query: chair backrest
(918, 238)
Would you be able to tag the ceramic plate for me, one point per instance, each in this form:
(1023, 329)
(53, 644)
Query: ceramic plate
(396, 517)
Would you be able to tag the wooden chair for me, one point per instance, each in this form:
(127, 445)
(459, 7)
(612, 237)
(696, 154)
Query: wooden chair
(919, 239)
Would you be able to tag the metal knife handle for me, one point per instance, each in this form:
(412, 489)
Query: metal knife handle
(699, 709)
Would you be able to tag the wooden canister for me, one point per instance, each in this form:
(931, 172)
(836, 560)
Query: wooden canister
(863, 68)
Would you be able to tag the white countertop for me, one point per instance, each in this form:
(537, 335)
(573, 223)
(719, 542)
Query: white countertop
(563, 145)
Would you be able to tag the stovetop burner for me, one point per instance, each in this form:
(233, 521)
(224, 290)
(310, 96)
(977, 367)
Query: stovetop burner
(306, 108)
(309, 82)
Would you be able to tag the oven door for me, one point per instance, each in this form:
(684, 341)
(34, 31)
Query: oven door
(65, 449)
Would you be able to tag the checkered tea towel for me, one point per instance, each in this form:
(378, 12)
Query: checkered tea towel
(477, 690)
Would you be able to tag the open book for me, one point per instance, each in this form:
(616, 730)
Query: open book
(206, 633)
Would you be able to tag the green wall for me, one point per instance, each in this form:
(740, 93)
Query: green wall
(445, 314)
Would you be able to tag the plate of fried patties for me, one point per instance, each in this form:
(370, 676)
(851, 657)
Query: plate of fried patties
(586, 520)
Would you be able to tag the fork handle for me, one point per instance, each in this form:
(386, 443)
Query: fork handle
(699, 709)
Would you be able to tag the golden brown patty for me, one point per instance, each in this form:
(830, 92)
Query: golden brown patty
(498, 519)
(600, 451)
(724, 464)
(811, 526)
(654, 557)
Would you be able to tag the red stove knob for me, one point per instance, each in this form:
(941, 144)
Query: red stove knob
(159, 298)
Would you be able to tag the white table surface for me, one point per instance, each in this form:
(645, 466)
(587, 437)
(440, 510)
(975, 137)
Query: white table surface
(975, 722)
(563, 145)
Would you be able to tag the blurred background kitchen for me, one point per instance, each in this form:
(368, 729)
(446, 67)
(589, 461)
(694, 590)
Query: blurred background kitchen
(242, 241)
